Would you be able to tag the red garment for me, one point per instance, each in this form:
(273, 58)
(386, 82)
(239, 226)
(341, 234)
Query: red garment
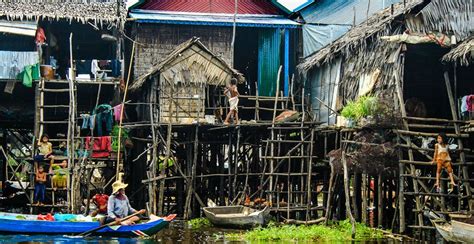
(100, 200)
(102, 146)
(40, 36)
(47, 217)
(470, 103)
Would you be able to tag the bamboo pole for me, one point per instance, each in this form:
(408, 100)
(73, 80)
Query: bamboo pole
(154, 160)
(118, 167)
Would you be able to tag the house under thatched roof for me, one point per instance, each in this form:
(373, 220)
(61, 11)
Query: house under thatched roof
(463, 53)
(97, 11)
(192, 57)
(375, 26)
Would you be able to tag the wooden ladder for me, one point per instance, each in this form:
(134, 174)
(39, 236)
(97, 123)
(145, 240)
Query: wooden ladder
(64, 114)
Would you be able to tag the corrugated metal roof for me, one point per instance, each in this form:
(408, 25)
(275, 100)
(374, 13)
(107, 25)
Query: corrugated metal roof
(242, 20)
(212, 6)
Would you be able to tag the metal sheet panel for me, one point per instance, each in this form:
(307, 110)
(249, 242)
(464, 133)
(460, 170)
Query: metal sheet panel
(210, 6)
(323, 84)
(269, 46)
(245, 20)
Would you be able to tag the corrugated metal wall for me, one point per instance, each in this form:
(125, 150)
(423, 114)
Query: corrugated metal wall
(269, 48)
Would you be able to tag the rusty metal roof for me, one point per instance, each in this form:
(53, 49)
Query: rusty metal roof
(213, 6)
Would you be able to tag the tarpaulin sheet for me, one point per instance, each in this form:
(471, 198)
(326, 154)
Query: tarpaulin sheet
(330, 19)
(12, 63)
(340, 12)
(318, 36)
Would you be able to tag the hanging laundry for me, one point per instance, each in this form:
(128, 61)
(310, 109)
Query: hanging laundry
(101, 147)
(29, 73)
(40, 37)
(103, 119)
(87, 121)
(117, 112)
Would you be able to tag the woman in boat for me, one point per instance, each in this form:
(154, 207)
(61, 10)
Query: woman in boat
(442, 159)
(118, 206)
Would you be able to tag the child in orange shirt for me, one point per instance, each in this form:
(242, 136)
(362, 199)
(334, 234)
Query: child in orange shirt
(442, 159)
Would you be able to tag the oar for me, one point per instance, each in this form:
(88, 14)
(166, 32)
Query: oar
(109, 224)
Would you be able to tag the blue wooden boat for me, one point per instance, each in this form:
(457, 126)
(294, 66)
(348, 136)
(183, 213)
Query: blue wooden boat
(28, 224)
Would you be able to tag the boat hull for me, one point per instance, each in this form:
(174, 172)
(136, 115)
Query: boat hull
(236, 216)
(456, 231)
(31, 227)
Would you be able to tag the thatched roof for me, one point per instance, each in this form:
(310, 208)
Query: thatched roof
(356, 37)
(98, 11)
(464, 53)
(192, 56)
(452, 17)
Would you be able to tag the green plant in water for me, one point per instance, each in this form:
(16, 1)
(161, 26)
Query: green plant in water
(338, 231)
(199, 223)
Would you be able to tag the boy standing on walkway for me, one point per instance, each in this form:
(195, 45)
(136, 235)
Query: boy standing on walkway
(233, 94)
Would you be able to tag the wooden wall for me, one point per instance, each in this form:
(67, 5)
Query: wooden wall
(160, 40)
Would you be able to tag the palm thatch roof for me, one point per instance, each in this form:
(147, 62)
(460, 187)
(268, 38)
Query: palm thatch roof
(446, 16)
(356, 38)
(463, 53)
(451, 17)
(98, 11)
(192, 60)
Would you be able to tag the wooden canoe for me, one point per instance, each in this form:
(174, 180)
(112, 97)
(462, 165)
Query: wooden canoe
(455, 230)
(28, 224)
(236, 216)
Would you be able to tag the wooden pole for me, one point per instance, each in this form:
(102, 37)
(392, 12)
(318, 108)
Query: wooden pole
(379, 201)
(364, 198)
(346, 191)
(457, 129)
(330, 193)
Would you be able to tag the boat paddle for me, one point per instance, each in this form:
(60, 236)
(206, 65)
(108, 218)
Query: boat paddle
(116, 222)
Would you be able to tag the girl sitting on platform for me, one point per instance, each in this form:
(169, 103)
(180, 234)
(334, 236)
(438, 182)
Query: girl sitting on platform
(45, 150)
(443, 160)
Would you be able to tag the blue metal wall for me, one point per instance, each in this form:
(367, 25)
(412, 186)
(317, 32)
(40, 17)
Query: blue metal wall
(269, 49)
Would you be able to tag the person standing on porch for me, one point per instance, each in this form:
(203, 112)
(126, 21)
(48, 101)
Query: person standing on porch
(443, 160)
(233, 94)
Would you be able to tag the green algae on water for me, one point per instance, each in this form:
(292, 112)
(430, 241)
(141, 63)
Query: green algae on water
(199, 223)
(337, 231)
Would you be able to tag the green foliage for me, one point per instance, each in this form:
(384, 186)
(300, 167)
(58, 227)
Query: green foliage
(21, 176)
(363, 107)
(339, 231)
(199, 223)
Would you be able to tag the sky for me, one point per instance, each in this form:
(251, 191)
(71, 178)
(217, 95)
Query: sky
(292, 4)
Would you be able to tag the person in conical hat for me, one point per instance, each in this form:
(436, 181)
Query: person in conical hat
(118, 205)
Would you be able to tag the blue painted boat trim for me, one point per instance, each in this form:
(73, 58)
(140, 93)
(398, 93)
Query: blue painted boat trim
(63, 227)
